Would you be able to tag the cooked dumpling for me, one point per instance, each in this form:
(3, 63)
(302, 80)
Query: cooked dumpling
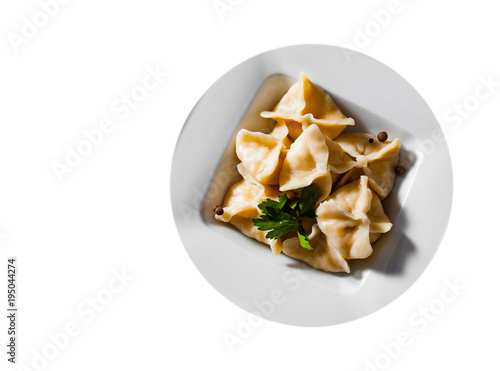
(280, 132)
(261, 154)
(305, 104)
(339, 162)
(307, 162)
(242, 200)
(347, 218)
(379, 222)
(343, 219)
(241, 206)
(323, 255)
(377, 160)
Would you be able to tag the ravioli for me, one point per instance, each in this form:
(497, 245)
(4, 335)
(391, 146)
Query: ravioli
(305, 104)
(280, 132)
(376, 160)
(241, 206)
(261, 154)
(338, 161)
(347, 218)
(324, 255)
(307, 162)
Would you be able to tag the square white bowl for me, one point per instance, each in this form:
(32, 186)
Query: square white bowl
(246, 271)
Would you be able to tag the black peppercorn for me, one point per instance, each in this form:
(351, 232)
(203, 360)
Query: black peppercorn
(382, 136)
(400, 170)
(218, 210)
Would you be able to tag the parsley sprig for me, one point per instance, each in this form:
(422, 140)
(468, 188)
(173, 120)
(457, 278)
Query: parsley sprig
(281, 217)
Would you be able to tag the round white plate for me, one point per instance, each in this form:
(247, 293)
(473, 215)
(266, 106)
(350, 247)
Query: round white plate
(280, 288)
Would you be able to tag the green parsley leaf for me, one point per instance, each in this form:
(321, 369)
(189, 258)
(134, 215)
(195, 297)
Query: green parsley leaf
(305, 206)
(303, 239)
(281, 217)
(271, 204)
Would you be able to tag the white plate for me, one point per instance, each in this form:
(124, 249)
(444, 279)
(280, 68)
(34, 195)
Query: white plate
(280, 288)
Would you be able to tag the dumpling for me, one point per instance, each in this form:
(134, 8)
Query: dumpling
(323, 256)
(242, 200)
(377, 160)
(344, 221)
(280, 132)
(241, 206)
(307, 162)
(261, 154)
(339, 162)
(305, 104)
(347, 218)
(379, 222)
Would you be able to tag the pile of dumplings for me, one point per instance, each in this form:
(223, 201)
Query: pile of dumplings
(352, 173)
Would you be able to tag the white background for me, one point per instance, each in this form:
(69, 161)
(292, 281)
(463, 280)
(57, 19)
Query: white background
(112, 212)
